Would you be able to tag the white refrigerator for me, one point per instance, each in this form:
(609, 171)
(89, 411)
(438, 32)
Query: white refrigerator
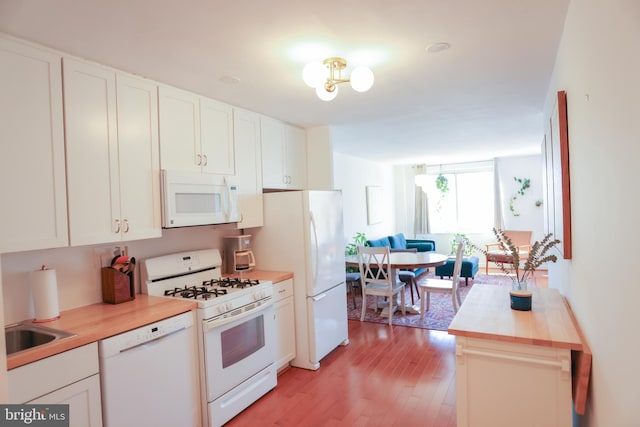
(303, 233)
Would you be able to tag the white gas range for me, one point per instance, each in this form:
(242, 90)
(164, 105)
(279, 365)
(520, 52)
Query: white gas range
(236, 328)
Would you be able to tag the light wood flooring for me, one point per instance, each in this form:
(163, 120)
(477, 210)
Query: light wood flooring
(386, 376)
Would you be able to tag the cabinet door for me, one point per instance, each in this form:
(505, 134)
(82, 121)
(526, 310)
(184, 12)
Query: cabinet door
(83, 398)
(285, 323)
(246, 133)
(139, 158)
(179, 129)
(216, 137)
(32, 166)
(92, 153)
(273, 146)
(296, 157)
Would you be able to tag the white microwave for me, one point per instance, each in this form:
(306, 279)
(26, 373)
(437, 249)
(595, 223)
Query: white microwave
(190, 198)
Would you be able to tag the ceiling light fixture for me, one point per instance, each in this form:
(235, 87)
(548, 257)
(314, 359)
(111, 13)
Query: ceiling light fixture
(438, 47)
(315, 76)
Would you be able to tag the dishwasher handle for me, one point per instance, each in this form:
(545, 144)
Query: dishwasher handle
(151, 341)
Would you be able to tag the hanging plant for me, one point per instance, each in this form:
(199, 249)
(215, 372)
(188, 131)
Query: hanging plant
(442, 184)
(525, 183)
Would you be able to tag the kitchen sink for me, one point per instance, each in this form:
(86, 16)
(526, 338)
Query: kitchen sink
(26, 335)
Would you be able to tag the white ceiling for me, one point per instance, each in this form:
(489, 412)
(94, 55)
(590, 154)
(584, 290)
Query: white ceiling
(480, 99)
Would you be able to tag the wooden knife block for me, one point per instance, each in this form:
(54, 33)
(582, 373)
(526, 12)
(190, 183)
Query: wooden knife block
(117, 287)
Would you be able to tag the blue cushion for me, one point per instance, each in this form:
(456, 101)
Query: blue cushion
(383, 241)
(469, 267)
(398, 241)
(421, 245)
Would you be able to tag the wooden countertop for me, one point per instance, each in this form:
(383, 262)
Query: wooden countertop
(486, 313)
(274, 276)
(98, 321)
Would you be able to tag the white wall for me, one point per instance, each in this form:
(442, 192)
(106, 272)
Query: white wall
(352, 175)
(531, 217)
(598, 66)
(319, 158)
(78, 268)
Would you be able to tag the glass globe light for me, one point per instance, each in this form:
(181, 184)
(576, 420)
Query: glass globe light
(314, 74)
(361, 79)
(325, 95)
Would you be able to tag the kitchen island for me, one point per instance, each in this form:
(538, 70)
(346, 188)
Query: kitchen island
(515, 367)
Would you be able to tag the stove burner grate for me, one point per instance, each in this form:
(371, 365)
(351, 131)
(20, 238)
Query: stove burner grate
(228, 282)
(195, 292)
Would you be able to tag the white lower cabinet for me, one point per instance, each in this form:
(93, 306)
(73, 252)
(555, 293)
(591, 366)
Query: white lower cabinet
(71, 377)
(285, 323)
(501, 384)
(83, 398)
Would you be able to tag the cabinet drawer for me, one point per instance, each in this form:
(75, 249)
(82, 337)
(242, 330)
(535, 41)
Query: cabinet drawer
(282, 290)
(30, 381)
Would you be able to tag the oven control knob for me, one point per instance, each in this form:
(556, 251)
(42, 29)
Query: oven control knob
(229, 306)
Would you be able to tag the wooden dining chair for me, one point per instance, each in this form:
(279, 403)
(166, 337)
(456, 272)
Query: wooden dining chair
(376, 278)
(443, 286)
(499, 254)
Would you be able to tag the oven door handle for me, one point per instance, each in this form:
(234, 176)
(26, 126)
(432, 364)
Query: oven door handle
(216, 323)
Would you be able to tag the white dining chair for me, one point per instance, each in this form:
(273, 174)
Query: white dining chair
(443, 286)
(376, 278)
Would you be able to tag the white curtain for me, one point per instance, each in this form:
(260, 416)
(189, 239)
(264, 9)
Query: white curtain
(498, 219)
(421, 211)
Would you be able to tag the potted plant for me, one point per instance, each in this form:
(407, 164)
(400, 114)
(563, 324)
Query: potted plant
(454, 244)
(538, 255)
(352, 248)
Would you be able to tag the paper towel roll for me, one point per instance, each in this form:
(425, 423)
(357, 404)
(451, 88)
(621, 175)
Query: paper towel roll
(44, 290)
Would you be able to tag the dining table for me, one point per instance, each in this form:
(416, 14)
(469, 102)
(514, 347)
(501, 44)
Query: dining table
(405, 261)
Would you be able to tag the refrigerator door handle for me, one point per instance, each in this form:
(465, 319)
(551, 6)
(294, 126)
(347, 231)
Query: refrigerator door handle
(315, 243)
(318, 297)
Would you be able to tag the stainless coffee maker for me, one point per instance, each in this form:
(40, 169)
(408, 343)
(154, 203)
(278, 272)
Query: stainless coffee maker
(238, 256)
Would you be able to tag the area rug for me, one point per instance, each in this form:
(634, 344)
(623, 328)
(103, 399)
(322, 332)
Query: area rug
(440, 312)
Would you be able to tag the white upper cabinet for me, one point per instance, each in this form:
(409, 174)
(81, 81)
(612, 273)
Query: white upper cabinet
(284, 155)
(139, 157)
(248, 167)
(113, 183)
(196, 133)
(216, 137)
(32, 166)
(296, 157)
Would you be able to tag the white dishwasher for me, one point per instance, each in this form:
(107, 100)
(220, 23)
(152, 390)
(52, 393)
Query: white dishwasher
(149, 375)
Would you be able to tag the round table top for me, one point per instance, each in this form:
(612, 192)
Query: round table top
(407, 259)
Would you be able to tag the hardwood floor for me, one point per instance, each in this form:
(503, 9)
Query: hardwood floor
(386, 376)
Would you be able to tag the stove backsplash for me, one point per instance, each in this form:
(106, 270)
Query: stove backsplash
(78, 268)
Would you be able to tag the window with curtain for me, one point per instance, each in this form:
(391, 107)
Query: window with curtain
(460, 197)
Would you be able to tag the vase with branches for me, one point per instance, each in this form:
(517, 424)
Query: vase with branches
(537, 256)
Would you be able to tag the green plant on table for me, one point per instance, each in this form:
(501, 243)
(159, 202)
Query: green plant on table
(538, 255)
(352, 248)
